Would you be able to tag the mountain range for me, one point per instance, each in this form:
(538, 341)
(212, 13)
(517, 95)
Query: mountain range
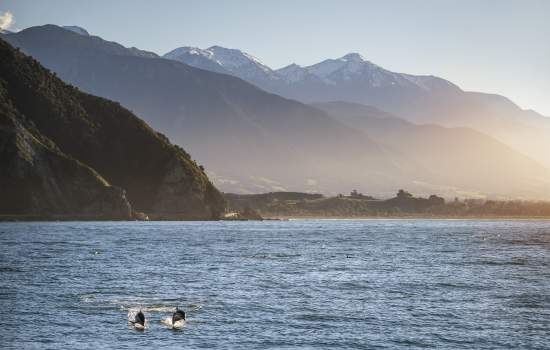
(417, 98)
(253, 132)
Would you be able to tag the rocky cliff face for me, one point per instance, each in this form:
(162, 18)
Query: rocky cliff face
(38, 179)
(65, 152)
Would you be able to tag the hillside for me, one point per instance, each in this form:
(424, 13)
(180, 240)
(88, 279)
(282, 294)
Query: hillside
(403, 204)
(460, 156)
(67, 150)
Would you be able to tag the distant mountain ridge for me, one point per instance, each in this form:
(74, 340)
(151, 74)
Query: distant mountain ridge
(353, 66)
(331, 71)
(254, 141)
(417, 98)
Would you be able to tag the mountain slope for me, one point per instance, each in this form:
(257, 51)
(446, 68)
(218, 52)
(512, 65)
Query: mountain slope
(68, 125)
(460, 160)
(344, 110)
(227, 61)
(421, 99)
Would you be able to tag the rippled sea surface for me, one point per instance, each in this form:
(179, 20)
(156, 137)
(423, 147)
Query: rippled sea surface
(394, 284)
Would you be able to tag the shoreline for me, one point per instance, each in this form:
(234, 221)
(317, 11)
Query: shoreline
(14, 219)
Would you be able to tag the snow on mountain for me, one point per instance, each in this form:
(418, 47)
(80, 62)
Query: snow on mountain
(191, 51)
(196, 57)
(347, 70)
(350, 63)
(77, 30)
(223, 60)
(355, 68)
(233, 59)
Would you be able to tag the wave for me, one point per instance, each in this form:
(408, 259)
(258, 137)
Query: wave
(159, 308)
(273, 255)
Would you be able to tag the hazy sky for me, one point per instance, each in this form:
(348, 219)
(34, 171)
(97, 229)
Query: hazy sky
(494, 46)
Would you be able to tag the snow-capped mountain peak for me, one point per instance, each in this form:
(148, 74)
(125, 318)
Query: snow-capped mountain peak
(351, 68)
(233, 58)
(221, 59)
(188, 50)
(347, 65)
(196, 57)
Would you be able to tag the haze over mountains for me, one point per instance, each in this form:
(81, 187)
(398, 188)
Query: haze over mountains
(421, 99)
(437, 152)
(254, 141)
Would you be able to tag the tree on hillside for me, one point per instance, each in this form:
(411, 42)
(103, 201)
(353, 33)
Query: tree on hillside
(436, 200)
(402, 194)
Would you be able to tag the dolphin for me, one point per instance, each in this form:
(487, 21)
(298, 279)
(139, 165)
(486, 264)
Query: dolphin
(137, 319)
(177, 321)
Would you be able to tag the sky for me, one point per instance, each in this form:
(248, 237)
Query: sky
(495, 46)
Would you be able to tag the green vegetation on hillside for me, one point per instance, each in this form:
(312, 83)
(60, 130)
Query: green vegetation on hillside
(404, 204)
(121, 150)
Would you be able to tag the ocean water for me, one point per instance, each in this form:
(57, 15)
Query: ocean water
(371, 284)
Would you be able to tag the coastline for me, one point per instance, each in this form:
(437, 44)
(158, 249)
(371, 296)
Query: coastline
(52, 218)
(96, 218)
